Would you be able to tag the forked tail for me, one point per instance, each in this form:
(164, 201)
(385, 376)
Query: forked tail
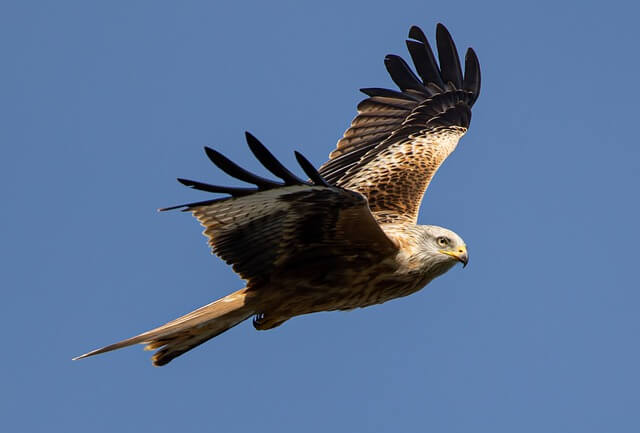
(191, 330)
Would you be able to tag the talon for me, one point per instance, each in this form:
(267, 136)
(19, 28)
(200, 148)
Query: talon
(258, 320)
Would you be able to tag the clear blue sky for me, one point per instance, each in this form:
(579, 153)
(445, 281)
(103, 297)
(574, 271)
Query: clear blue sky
(104, 105)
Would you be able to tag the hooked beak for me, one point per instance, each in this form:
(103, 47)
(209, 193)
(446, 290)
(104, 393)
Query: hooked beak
(459, 253)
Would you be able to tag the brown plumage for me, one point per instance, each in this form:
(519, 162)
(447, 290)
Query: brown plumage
(347, 237)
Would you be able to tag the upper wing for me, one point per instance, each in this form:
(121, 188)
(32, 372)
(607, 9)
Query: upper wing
(283, 227)
(399, 139)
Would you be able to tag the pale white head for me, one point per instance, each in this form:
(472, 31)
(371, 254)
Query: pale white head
(441, 249)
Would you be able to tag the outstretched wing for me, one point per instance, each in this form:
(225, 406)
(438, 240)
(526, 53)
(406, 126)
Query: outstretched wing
(279, 228)
(399, 139)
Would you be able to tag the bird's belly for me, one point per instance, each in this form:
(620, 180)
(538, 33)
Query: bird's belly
(357, 291)
(379, 290)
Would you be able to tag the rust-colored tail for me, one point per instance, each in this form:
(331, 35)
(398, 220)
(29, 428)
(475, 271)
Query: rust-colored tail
(186, 332)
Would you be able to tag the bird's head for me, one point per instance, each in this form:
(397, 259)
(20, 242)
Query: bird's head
(442, 248)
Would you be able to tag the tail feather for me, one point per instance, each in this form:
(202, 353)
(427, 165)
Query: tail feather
(184, 333)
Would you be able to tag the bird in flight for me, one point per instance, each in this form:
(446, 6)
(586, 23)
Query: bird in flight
(347, 237)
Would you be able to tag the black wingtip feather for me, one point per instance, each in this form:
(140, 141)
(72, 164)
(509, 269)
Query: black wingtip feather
(234, 170)
(416, 33)
(425, 63)
(388, 93)
(189, 206)
(401, 73)
(423, 58)
(448, 54)
(270, 162)
(310, 170)
(472, 77)
(233, 191)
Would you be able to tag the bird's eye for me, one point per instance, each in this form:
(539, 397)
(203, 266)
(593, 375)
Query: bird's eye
(443, 242)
